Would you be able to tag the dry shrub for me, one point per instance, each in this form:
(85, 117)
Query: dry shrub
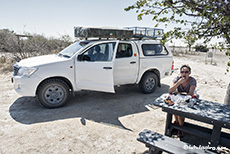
(29, 45)
(2, 60)
(6, 64)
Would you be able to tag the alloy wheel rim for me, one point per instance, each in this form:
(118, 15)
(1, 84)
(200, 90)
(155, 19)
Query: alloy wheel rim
(54, 94)
(150, 83)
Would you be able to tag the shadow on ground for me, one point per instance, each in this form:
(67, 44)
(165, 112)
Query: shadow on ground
(96, 106)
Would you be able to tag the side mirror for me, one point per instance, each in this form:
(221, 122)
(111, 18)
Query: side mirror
(79, 57)
(83, 58)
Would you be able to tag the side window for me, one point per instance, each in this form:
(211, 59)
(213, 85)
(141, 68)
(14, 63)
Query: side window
(124, 50)
(100, 52)
(154, 49)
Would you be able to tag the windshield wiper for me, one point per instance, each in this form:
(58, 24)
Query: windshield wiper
(66, 56)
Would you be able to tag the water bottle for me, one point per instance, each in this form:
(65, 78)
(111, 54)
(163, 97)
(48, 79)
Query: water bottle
(197, 95)
(192, 102)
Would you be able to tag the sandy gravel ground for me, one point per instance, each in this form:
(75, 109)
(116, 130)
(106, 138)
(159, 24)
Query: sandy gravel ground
(95, 122)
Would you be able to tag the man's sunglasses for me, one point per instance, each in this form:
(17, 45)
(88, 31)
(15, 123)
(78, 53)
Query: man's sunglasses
(184, 72)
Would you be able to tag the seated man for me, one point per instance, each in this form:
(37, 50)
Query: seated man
(98, 56)
(122, 53)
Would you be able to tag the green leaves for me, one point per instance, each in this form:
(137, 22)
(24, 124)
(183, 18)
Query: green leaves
(204, 19)
(139, 17)
(227, 53)
(207, 18)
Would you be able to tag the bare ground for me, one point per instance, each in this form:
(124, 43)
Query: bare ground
(95, 122)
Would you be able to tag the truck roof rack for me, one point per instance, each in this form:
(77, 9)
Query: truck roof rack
(126, 33)
(146, 32)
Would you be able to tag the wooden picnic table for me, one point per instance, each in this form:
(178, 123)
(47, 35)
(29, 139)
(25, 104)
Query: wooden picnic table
(215, 114)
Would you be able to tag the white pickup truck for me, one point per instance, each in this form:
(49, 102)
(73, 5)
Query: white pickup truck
(96, 65)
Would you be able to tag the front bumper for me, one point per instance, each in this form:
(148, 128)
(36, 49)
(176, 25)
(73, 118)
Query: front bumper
(26, 86)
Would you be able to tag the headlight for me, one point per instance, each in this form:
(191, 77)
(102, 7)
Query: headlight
(26, 71)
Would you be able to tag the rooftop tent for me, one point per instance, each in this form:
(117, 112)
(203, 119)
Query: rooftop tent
(126, 33)
(102, 33)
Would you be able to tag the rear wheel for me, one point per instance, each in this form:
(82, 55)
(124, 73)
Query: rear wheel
(53, 93)
(148, 83)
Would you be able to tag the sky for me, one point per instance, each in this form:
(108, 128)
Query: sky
(59, 17)
(54, 18)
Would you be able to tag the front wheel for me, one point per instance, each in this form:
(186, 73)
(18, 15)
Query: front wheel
(53, 93)
(148, 83)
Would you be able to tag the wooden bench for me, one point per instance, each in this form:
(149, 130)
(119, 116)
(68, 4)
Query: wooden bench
(158, 143)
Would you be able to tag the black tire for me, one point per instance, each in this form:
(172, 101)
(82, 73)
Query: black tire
(53, 93)
(148, 83)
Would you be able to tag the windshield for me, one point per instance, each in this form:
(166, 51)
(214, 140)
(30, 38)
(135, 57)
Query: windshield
(72, 49)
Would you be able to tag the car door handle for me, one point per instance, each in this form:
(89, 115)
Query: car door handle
(107, 68)
(132, 62)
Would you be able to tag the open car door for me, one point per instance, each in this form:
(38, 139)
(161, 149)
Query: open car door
(94, 68)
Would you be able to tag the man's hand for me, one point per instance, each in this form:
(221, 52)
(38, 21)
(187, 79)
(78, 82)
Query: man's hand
(182, 80)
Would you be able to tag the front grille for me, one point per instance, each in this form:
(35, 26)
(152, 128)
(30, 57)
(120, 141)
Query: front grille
(16, 69)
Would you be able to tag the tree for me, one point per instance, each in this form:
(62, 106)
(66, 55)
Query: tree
(206, 19)
(8, 41)
(201, 48)
(27, 45)
(190, 39)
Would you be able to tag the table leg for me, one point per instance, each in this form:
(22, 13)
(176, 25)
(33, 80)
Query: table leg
(154, 151)
(215, 137)
(168, 130)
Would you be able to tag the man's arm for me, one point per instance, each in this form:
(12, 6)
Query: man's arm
(175, 85)
(191, 90)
